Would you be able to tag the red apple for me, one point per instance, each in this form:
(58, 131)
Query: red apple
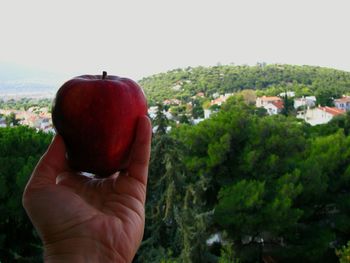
(97, 117)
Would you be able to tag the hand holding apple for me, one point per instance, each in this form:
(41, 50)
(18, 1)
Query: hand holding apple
(97, 115)
(83, 219)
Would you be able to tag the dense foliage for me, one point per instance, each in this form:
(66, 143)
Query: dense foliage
(344, 253)
(21, 148)
(325, 83)
(264, 186)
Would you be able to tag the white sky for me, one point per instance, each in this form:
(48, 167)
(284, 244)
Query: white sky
(139, 38)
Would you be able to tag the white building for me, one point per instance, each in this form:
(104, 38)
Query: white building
(168, 115)
(308, 101)
(2, 122)
(342, 103)
(319, 115)
(220, 100)
(274, 108)
(196, 121)
(264, 100)
(288, 93)
(207, 113)
(152, 111)
(45, 124)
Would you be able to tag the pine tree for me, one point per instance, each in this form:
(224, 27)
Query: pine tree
(160, 121)
(164, 198)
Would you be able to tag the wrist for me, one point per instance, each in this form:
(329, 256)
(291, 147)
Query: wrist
(78, 251)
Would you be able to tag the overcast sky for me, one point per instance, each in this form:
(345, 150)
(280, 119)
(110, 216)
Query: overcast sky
(137, 38)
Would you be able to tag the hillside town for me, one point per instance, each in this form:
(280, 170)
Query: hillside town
(35, 117)
(305, 108)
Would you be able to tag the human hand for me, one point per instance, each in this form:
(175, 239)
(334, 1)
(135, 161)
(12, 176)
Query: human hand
(82, 219)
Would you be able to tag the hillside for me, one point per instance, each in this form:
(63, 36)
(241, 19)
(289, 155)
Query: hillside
(184, 83)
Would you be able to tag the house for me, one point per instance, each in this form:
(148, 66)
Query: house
(171, 102)
(220, 100)
(274, 107)
(264, 100)
(342, 103)
(45, 124)
(214, 238)
(196, 121)
(320, 115)
(152, 111)
(308, 101)
(216, 95)
(2, 122)
(168, 115)
(198, 95)
(177, 86)
(207, 113)
(288, 94)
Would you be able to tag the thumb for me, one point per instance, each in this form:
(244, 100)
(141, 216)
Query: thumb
(51, 164)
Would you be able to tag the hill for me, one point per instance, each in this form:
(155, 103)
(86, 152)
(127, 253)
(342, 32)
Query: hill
(185, 83)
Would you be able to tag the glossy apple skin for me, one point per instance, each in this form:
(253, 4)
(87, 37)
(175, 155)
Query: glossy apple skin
(97, 117)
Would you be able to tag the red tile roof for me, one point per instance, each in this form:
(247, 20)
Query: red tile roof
(332, 110)
(219, 100)
(278, 104)
(272, 98)
(343, 99)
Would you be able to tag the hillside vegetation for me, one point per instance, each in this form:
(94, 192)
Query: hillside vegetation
(260, 186)
(182, 84)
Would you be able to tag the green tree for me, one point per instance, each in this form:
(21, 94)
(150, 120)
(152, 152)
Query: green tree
(164, 194)
(344, 253)
(160, 121)
(228, 254)
(325, 97)
(277, 186)
(21, 148)
(193, 222)
(288, 105)
(197, 109)
(11, 119)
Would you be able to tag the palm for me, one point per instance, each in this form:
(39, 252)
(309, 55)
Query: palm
(78, 209)
(95, 208)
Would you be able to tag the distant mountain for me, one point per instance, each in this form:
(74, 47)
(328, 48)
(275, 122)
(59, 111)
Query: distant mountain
(26, 89)
(18, 80)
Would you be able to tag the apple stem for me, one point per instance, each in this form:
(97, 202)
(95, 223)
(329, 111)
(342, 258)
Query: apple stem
(104, 75)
